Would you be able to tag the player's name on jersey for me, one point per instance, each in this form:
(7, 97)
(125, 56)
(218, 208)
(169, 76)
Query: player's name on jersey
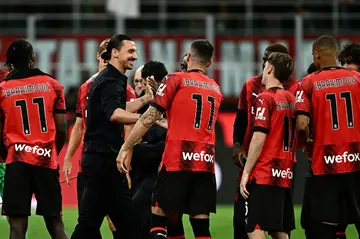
(200, 84)
(335, 82)
(27, 89)
(285, 105)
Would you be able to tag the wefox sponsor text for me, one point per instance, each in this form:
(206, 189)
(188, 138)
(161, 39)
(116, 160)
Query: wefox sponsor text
(202, 156)
(33, 149)
(344, 158)
(282, 173)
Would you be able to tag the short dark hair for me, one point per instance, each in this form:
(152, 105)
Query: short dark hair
(203, 50)
(19, 54)
(183, 63)
(283, 65)
(350, 54)
(326, 42)
(154, 68)
(275, 48)
(116, 42)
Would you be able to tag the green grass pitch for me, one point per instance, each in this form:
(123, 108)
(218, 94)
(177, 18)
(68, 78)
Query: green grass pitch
(221, 226)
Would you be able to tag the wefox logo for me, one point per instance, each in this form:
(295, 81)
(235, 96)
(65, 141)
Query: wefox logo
(34, 150)
(282, 173)
(202, 156)
(345, 157)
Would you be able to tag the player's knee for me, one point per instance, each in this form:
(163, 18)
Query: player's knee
(55, 226)
(158, 211)
(257, 234)
(200, 216)
(18, 224)
(200, 227)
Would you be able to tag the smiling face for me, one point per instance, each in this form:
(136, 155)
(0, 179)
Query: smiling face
(127, 54)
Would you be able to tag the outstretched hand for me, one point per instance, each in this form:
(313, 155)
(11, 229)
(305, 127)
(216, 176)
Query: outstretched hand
(123, 162)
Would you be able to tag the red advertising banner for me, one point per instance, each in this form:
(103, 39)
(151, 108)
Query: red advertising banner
(71, 59)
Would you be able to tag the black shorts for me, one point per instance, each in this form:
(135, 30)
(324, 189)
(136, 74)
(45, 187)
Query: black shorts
(192, 193)
(270, 209)
(22, 180)
(335, 198)
(80, 186)
(239, 223)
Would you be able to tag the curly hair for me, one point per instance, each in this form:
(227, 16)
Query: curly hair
(350, 54)
(154, 68)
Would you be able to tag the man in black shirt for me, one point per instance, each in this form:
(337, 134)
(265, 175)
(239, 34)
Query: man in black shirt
(106, 191)
(146, 159)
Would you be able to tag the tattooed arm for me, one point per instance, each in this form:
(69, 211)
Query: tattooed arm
(145, 122)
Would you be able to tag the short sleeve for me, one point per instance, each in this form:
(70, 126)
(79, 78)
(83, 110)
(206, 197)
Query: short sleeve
(303, 97)
(111, 93)
(59, 106)
(78, 104)
(130, 94)
(166, 92)
(243, 104)
(263, 112)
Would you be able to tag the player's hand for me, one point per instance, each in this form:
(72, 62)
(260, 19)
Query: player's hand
(67, 168)
(238, 153)
(150, 82)
(244, 181)
(123, 162)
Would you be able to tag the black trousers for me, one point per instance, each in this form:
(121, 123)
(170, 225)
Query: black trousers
(146, 159)
(105, 193)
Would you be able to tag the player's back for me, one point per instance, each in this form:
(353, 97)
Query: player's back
(29, 98)
(275, 111)
(333, 95)
(191, 121)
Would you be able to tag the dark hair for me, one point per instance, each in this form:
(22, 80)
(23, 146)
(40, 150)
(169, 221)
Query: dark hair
(203, 50)
(326, 42)
(154, 68)
(283, 65)
(183, 63)
(350, 54)
(274, 48)
(20, 54)
(311, 69)
(116, 42)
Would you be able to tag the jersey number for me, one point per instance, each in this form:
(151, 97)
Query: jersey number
(289, 125)
(22, 104)
(334, 109)
(199, 107)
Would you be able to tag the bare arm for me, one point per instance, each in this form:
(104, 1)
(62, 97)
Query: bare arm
(135, 105)
(122, 116)
(256, 145)
(75, 138)
(145, 122)
(61, 128)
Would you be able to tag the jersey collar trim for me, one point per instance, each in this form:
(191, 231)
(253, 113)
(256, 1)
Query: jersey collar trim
(24, 73)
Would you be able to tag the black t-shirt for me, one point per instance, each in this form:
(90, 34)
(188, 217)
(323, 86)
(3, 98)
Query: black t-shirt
(107, 93)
